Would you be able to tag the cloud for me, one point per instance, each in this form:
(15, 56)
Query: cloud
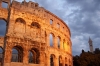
(84, 20)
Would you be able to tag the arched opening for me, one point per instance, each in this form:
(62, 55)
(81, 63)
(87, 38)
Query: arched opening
(66, 62)
(31, 59)
(51, 37)
(58, 41)
(14, 55)
(1, 55)
(2, 27)
(52, 60)
(34, 56)
(20, 26)
(35, 30)
(60, 61)
(35, 25)
(17, 54)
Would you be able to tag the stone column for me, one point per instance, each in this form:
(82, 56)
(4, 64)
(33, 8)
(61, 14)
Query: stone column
(48, 39)
(48, 60)
(45, 60)
(61, 44)
(10, 27)
(55, 42)
(42, 58)
(7, 56)
(8, 3)
(25, 56)
(63, 59)
(56, 63)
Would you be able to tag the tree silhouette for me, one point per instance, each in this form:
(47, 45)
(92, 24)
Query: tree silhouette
(87, 58)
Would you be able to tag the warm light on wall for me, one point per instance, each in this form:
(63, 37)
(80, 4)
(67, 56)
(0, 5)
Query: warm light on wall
(66, 47)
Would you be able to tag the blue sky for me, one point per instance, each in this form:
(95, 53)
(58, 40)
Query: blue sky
(82, 17)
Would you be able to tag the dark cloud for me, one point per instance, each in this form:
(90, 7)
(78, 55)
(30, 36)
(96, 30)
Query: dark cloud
(84, 20)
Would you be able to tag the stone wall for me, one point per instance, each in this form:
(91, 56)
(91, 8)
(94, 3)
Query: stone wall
(28, 30)
(1, 42)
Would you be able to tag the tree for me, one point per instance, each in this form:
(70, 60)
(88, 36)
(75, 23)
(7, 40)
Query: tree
(87, 58)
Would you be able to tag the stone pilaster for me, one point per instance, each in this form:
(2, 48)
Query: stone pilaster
(56, 62)
(42, 57)
(10, 27)
(63, 61)
(61, 44)
(55, 42)
(25, 57)
(48, 60)
(7, 57)
(48, 38)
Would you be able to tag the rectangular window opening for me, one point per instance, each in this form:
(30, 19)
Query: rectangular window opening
(4, 5)
(51, 21)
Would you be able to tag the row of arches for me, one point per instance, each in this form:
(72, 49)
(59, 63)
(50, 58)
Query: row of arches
(58, 41)
(20, 27)
(51, 39)
(22, 21)
(59, 26)
(61, 62)
(20, 24)
(17, 55)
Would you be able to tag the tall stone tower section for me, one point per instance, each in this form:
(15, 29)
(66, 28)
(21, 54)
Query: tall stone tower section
(90, 45)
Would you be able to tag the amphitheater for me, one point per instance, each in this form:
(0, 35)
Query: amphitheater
(34, 36)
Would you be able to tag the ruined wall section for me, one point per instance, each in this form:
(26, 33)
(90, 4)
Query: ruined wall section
(28, 15)
(40, 12)
(25, 30)
(3, 12)
(29, 27)
(31, 12)
(1, 42)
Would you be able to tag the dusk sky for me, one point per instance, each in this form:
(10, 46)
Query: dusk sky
(82, 17)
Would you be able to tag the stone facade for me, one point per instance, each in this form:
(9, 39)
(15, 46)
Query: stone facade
(29, 27)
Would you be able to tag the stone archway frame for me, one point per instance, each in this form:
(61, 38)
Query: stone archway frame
(20, 53)
(36, 55)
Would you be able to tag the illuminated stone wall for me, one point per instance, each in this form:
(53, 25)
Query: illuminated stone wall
(28, 30)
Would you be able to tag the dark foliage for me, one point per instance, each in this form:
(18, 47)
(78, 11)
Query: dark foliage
(87, 58)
